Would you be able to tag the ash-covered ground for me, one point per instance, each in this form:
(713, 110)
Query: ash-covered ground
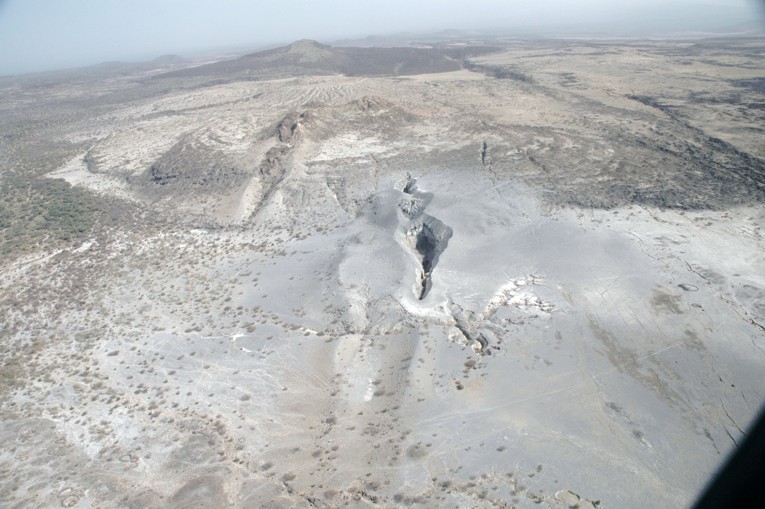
(510, 273)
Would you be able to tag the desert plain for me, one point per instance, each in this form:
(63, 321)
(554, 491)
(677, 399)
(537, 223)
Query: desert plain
(507, 272)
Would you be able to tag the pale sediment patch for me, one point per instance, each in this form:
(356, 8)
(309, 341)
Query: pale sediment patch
(76, 172)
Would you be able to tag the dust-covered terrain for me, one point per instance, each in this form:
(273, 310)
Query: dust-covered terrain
(502, 273)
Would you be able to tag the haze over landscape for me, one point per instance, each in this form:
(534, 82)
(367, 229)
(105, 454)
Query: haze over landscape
(378, 254)
(38, 35)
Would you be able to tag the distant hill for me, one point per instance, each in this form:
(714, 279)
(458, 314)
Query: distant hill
(162, 61)
(170, 60)
(310, 57)
(104, 71)
(751, 28)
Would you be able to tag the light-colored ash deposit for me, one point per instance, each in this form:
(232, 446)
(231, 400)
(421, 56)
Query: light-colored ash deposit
(507, 272)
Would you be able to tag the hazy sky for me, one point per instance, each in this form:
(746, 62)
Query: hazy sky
(48, 34)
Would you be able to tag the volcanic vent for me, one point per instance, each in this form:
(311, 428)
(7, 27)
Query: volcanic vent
(427, 236)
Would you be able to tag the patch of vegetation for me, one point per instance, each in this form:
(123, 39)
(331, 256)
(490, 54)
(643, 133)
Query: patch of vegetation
(18, 366)
(499, 72)
(38, 213)
(12, 372)
(755, 84)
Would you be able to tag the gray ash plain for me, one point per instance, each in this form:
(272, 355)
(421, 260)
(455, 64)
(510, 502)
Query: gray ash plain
(509, 273)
